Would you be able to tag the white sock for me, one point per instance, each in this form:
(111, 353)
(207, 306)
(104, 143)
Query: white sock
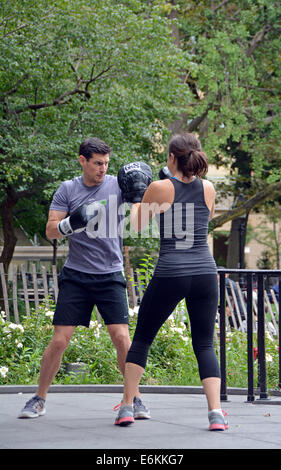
(219, 410)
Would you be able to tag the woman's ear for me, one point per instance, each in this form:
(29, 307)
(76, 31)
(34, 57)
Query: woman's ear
(171, 157)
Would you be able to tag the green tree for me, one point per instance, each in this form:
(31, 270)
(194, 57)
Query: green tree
(235, 84)
(70, 69)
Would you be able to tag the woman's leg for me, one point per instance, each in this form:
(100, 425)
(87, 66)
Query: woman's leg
(133, 374)
(202, 307)
(212, 387)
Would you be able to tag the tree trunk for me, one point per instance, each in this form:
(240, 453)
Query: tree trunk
(235, 252)
(55, 249)
(276, 244)
(269, 191)
(9, 236)
(128, 276)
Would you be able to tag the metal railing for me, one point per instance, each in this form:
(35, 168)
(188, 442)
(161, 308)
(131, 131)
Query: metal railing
(247, 277)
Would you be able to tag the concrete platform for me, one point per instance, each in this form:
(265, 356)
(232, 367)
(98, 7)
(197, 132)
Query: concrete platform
(84, 420)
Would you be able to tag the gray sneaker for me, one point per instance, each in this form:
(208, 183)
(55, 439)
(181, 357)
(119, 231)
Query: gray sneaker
(34, 408)
(125, 416)
(217, 421)
(140, 410)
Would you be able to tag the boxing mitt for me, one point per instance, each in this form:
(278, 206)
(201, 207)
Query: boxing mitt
(164, 173)
(133, 180)
(78, 221)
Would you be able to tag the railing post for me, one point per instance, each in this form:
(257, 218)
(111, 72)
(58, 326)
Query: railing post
(251, 395)
(261, 339)
(279, 324)
(222, 338)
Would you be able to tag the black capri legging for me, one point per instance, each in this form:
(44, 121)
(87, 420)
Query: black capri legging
(160, 299)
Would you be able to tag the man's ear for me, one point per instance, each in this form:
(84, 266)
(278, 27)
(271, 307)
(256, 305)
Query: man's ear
(82, 160)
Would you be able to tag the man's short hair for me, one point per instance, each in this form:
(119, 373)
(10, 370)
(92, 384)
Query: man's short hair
(93, 145)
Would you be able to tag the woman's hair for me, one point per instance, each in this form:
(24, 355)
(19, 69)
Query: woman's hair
(93, 145)
(189, 154)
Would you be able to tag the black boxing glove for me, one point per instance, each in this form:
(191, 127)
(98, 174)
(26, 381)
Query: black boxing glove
(133, 180)
(164, 173)
(78, 221)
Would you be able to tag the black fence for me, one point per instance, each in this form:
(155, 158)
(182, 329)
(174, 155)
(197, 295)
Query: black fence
(250, 280)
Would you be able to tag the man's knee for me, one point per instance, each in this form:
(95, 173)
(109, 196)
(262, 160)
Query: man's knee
(60, 343)
(120, 337)
(61, 339)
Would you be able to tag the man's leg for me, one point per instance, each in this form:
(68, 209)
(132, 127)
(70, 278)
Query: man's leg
(119, 334)
(52, 357)
(50, 365)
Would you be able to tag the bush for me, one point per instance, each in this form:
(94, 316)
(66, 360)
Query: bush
(171, 360)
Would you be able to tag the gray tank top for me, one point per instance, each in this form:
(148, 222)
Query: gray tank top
(183, 228)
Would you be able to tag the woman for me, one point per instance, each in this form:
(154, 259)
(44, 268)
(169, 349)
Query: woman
(183, 204)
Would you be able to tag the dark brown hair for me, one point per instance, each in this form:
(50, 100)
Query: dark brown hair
(93, 145)
(189, 154)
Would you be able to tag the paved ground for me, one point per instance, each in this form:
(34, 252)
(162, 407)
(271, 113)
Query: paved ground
(179, 421)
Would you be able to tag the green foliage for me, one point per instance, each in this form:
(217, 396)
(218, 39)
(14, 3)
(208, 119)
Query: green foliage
(171, 359)
(236, 81)
(71, 69)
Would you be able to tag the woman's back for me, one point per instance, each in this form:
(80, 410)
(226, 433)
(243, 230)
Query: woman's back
(183, 233)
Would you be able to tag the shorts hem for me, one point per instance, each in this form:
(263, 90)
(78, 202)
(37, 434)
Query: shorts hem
(117, 323)
(59, 323)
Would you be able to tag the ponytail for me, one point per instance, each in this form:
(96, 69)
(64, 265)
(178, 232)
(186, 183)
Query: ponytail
(190, 157)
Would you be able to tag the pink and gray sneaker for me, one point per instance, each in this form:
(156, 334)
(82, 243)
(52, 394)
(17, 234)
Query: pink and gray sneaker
(217, 420)
(125, 415)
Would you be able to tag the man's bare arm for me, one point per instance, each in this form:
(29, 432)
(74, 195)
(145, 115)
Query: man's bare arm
(52, 225)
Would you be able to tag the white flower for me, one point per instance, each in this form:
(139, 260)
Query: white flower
(3, 371)
(177, 330)
(15, 326)
(136, 310)
(267, 333)
(94, 324)
(3, 314)
(49, 313)
(19, 345)
(268, 357)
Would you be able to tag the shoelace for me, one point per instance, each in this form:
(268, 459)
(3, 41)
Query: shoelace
(116, 408)
(33, 400)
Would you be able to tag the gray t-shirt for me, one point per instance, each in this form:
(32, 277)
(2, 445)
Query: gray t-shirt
(93, 252)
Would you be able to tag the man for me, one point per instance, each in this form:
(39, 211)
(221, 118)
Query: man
(92, 274)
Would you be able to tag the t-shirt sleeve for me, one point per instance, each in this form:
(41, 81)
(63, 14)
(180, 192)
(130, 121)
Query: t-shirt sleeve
(60, 199)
